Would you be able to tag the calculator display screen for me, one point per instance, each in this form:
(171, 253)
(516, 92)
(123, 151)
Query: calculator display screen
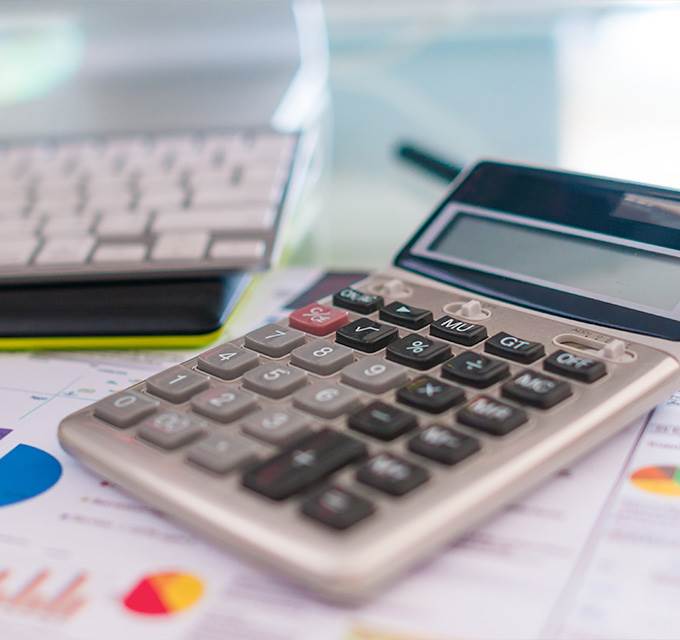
(603, 251)
(618, 273)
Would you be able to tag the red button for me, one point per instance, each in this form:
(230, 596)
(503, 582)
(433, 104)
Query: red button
(318, 319)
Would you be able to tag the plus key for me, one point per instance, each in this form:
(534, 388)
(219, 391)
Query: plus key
(318, 319)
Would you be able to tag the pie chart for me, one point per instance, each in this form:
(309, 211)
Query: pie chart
(662, 480)
(26, 472)
(162, 594)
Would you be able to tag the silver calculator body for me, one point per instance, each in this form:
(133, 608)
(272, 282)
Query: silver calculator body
(420, 401)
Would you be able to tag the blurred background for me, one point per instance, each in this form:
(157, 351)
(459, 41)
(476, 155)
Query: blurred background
(589, 86)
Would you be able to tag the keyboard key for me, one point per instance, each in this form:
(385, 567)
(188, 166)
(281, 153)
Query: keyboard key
(276, 426)
(303, 465)
(274, 380)
(180, 246)
(392, 474)
(326, 400)
(318, 319)
(123, 225)
(405, 315)
(374, 375)
(417, 351)
(125, 408)
(240, 252)
(246, 218)
(321, 357)
(65, 250)
(120, 252)
(227, 361)
(177, 384)
(17, 251)
(577, 367)
(223, 404)
(337, 508)
(443, 444)
(492, 416)
(357, 301)
(382, 421)
(475, 369)
(274, 340)
(514, 348)
(536, 389)
(431, 395)
(170, 429)
(458, 331)
(366, 335)
(222, 452)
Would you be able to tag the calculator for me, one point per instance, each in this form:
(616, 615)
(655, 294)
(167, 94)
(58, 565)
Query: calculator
(533, 315)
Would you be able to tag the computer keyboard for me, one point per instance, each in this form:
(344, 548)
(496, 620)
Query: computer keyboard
(142, 204)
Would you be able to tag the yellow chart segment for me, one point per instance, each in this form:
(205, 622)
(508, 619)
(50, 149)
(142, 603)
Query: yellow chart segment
(177, 591)
(662, 480)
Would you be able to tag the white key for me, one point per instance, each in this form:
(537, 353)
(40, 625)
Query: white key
(240, 252)
(254, 219)
(56, 208)
(72, 249)
(17, 251)
(18, 226)
(180, 246)
(124, 225)
(165, 198)
(68, 225)
(129, 252)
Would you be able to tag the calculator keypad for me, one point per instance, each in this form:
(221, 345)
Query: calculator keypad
(349, 419)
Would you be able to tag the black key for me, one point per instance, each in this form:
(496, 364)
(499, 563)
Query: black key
(405, 315)
(443, 444)
(357, 301)
(492, 416)
(337, 508)
(418, 351)
(430, 394)
(475, 369)
(576, 367)
(458, 331)
(514, 348)
(392, 474)
(536, 389)
(366, 335)
(305, 464)
(382, 421)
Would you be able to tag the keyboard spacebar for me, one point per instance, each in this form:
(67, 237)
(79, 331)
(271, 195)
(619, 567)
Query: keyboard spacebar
(243, 219)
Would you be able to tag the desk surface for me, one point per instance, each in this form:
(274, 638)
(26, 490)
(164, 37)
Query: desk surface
(591, 89)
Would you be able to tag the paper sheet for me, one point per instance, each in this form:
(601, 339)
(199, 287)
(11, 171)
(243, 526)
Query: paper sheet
(592, 554)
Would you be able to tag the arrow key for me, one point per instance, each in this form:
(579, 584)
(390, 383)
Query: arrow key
(405, 315)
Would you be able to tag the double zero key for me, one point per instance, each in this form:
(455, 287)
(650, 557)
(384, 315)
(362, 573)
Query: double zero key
(303, 465)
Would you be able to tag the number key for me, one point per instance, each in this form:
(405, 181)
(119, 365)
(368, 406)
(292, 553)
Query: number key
(176, 384)
(227, 361)
(125, 408)
(223, 404)
(374, 374)
(274, 340)
(321, 357)
(274, 380)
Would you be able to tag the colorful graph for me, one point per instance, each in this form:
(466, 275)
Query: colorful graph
(26, 472)
(662, 480)
(164, 594)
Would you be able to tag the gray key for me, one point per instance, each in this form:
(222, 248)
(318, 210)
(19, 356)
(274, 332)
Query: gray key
(276, 426)
(227, 361)
(274, 340)
(222, 452)
(326, 400)
(374, 374)
(125, 408)
(223, 404)
(170, 429)
(176, 384)
(322, 357)
(274, 380)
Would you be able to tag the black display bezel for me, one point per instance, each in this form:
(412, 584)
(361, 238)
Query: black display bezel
(576, 200)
